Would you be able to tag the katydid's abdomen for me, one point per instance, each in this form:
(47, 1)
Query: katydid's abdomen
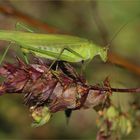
(51, 45)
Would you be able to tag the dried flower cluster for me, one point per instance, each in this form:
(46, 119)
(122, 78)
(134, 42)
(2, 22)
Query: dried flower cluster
(48, 89)
(58, 89)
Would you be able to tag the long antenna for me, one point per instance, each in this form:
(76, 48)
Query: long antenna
(118, 31)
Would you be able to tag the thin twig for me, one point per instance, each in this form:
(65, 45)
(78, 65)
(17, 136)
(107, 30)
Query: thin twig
(128, 90)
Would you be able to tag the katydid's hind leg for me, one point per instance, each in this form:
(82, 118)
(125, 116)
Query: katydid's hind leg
(58, 65)
(55, 66)
(5, 52)
(74, 52)
(57, 58)
(19, 26)
(70, 50)
(61, 52)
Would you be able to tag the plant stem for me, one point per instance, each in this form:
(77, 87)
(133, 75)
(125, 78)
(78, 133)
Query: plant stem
(128, 90)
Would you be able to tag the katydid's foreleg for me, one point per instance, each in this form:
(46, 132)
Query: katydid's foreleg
(5, 52)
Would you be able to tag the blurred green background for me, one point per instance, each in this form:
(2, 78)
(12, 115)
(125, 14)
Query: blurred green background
(76, 17)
